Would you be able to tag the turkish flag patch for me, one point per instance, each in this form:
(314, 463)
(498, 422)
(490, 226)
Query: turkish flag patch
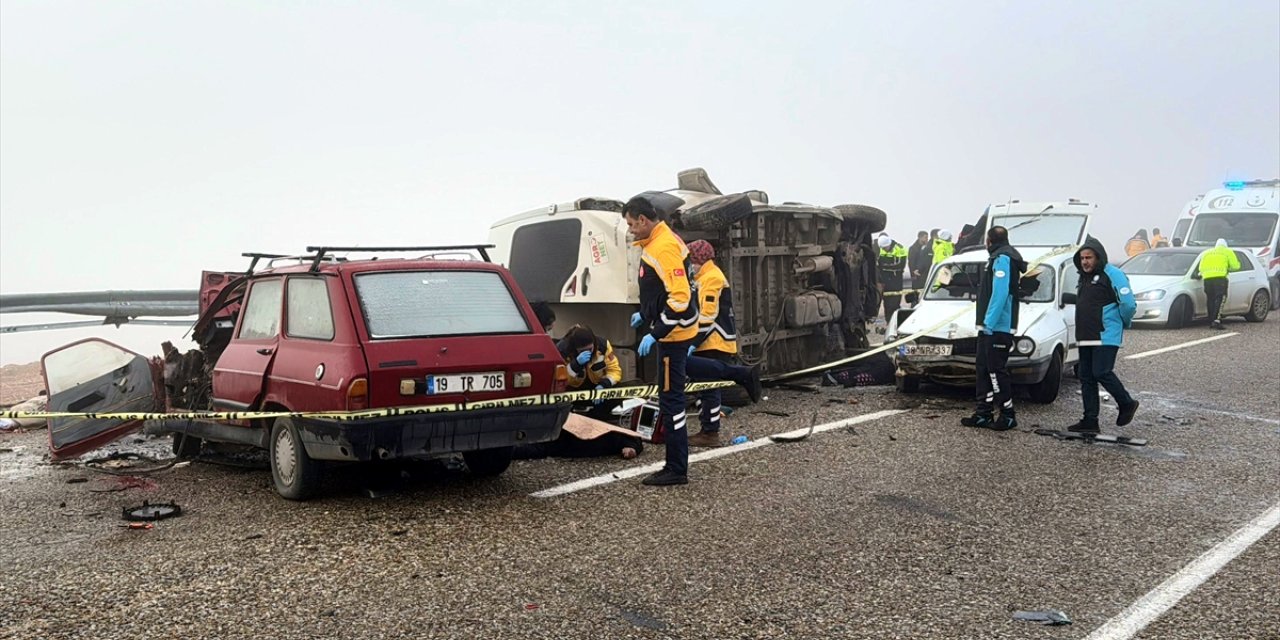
(678, 272)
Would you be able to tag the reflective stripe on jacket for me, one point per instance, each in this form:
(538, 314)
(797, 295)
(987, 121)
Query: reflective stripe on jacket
(716, 326)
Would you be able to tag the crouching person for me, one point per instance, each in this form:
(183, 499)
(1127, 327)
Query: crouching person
(713, 355)
(1104, 309)
(592, 364)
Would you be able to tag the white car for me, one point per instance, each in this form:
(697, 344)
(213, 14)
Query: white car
(1170, 293)
(1044, 343)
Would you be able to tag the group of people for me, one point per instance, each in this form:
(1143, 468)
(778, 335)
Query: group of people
(895, 263)
(1141, 242)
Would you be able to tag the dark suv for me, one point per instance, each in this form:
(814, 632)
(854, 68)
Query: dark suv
(321, 334)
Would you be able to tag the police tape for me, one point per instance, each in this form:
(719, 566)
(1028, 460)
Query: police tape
(566, 397)
(614, 393)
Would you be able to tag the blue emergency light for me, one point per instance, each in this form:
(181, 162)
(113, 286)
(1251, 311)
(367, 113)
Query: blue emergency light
(1234, 185)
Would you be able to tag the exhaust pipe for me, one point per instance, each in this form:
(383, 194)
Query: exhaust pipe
(382, 453)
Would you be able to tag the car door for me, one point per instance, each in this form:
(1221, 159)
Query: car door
(318, 354)
(1199, 299)
(1070, 284)
(240, 375)
(1240, 287)
(96, 376)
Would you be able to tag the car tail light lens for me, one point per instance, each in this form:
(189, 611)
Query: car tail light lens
(358, 395)
(522, 380)
(561, 380)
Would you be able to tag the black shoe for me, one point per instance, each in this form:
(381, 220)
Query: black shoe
(1084, 426)
(1126, 413)
(1217, 325)
(665, 478)
(1004, 423)
(754, 388)
(978, 420)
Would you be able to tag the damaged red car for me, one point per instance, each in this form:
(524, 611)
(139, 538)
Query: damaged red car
(317, 333)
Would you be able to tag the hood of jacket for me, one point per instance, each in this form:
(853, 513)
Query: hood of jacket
(1091, 242)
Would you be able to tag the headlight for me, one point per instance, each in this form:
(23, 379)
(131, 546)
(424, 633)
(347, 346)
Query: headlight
(1025, 346)
(1154, 294)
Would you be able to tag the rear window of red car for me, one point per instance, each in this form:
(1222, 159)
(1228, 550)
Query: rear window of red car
(412, 304)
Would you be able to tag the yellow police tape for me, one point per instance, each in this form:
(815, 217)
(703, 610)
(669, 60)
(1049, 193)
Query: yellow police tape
(615, 393)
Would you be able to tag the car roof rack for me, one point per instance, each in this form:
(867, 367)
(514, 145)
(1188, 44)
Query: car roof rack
(321, 252)
(257, 257)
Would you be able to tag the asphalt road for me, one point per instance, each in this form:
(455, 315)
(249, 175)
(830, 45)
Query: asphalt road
(905, 526)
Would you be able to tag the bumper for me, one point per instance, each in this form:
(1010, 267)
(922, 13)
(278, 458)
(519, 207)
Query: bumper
(962, 372)
(431, 435)
(1151, 313)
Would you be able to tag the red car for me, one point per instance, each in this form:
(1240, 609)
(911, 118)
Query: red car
(323, 334)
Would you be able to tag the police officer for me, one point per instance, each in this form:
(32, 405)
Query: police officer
(892, 261)
(1215, 264)
(713, 355)
(943, 248)
(997, 319)
(1104, 309)
(668, 312)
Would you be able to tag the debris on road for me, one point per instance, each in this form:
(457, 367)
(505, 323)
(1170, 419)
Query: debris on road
(1051, 618)
(149, 512)
(123, 483)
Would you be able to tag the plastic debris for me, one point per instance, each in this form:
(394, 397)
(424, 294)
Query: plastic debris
(148, 511)
(1050, 617)
(739, 440)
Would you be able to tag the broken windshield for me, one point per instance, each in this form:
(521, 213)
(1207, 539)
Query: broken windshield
(961, 281)
(1043, 230)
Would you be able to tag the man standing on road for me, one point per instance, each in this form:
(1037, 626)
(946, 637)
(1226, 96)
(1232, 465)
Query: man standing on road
(919, 259)
(997, 319)
(1215, 264)
(1104, 309)
(714, 352)
(668, 311)
(892, 262)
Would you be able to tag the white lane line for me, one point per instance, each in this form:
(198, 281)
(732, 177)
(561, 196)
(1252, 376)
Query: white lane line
(1180, 346)
(632, 472)
(1151, 606)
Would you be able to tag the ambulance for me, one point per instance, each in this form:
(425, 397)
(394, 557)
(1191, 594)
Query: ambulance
(1247, 215)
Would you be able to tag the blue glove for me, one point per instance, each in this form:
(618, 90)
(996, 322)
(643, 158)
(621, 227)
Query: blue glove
(692, 348)
(599, 387)
(646, 344)
(636, 320)
(584, 358)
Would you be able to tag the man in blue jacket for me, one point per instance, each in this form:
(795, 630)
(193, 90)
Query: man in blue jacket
(1104, 309)
(996, 321)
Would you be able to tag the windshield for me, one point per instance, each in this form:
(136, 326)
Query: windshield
(961, 281)
(407, 304)
(1159, 264)
(1238, 229)
(1042, 230)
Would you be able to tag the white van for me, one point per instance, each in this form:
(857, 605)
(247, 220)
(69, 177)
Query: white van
(1045, 338)
(1247, 216)
(1180, 228)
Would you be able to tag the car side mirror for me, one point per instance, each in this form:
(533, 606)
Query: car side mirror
(1197, 276)
(1068, 298)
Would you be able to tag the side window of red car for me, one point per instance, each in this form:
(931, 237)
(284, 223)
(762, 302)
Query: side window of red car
(262, 311)
(310, 314)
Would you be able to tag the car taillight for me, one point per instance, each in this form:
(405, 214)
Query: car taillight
(358, 395)
(1264, 252)
(561, 379)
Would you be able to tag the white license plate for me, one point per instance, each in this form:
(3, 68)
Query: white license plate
(466, 383)
(925, 350)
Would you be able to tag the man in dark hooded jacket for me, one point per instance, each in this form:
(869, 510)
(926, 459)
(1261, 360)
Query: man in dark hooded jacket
(1104, 309)
(996, 321)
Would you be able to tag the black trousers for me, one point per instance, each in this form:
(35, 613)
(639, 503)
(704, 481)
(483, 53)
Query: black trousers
(671, 403)
(711, 366)
(1216, 290)
(993, 373)
(1096, 368)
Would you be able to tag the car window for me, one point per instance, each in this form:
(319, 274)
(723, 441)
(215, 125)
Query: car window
(1238, 229)
(1155, 263)
(1070, 279)
(1245, 263)
(1042, 230)
(405, 304)
(961, 282)
(1037, 285)
(310, 314)
(262, 311)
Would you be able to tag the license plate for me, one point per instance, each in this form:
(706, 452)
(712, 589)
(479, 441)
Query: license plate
(466, 383)
(925, 350)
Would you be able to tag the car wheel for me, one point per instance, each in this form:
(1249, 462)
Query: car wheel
(1259, 308)
(908, 384)
(1046, 391)
(488, 462)
(873, 218)
(1179, 316)
(295, 474)
(1275, 293)
(716, 215)
(186, 446)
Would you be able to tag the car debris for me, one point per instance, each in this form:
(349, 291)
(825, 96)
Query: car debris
(1051, 618)
(149, 512)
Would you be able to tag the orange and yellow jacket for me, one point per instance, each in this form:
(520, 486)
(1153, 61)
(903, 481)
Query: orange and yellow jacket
(666, 292)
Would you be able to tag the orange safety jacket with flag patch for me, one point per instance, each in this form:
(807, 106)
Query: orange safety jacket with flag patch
(716, 330)
(666, 291)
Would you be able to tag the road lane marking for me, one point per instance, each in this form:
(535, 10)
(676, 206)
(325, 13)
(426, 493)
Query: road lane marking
(711, 454)
(1133, 620)
(1179, 346)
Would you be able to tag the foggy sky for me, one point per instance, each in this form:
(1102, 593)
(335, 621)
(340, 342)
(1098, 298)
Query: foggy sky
(143, 142)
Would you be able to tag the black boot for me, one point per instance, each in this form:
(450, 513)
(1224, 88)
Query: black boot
(1005, 422)
(980, 420)
(754, 390)
(1126, 413)
(665, 478)
(1084, 426)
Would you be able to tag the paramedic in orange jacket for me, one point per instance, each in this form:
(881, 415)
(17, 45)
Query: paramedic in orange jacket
(670, 315)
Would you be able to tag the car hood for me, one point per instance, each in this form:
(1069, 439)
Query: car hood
(1140, 283)
(953, 327)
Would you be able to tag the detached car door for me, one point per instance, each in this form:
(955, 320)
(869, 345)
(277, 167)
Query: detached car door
(96, 376)
(242, 369)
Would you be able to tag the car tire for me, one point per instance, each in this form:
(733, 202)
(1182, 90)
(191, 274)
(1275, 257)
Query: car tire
(296, 476)
(488, 462)
(1259, 307)
(874, 219)
(1179, 315)
(908, 384)
(1275, 293)
(717, 214)
(1046, 391)
(186, 446)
